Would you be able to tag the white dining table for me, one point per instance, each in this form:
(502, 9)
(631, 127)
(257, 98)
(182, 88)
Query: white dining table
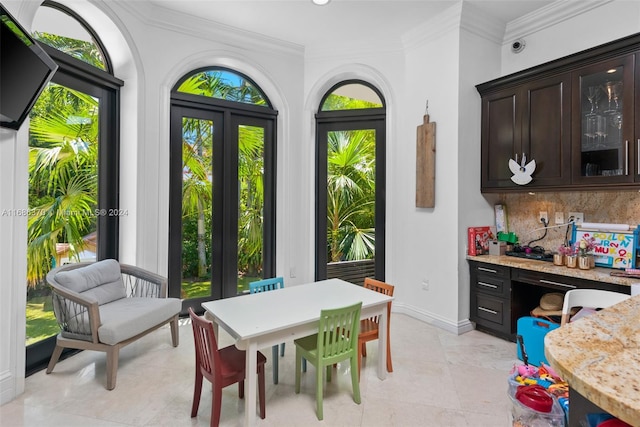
(264, 319)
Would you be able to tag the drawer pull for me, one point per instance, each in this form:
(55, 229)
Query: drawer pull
(488, 270)
(488, 310)
(549, 282)
(488, 285)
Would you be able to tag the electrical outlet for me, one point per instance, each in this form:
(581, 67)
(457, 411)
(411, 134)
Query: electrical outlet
(578, 217)
(543, 215)
(559, 217)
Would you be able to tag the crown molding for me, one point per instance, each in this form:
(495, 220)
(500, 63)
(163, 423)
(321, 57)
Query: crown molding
(547, 16)
(461, 16)
(433, 28)
(481, 24)
(195, 26)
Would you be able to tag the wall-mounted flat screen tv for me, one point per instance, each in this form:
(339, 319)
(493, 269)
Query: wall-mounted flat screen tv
(25, 70)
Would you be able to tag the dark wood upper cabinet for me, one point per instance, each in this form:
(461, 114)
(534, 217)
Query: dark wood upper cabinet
(530, 120)
(501, 127)
(576, 117)
(546, 129)
(603, 125)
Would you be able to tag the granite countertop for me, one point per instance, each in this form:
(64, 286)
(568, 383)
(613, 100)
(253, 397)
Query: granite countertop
(599, 356)
(598, 274)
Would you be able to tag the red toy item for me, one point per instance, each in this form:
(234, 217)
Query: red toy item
(535, 397)
(613, 422)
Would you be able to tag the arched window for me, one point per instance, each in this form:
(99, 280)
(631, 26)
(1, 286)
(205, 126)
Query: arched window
(73, 165)
(350, 183)
(223, 84)
(351, 96)
(59, 27)
(222, 186)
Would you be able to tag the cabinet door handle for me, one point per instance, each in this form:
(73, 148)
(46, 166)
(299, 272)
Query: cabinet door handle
(626, 157)
(549, 282)
(487, 310)
(488, 270)
(638, 154)
(488, 285)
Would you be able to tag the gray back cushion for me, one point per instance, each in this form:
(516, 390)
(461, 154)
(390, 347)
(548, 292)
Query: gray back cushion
(101, 280)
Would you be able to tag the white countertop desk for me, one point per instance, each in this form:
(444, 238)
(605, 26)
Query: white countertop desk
(264, 319)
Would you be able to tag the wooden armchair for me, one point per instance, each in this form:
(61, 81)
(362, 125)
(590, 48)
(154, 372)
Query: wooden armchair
(106, 305)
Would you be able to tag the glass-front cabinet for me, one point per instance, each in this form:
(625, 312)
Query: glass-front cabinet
(578, 117)
(603, 136)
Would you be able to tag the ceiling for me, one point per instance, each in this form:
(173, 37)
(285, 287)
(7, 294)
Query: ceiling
(303, 23)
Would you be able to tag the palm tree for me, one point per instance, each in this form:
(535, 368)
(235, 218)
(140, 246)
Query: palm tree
(79, 49)
(63, 154)
(197, 164)
(351, 195)
(250, 214)
(62, 175)
(196, 184)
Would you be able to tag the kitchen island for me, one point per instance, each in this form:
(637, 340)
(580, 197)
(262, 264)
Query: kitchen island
(599, 357)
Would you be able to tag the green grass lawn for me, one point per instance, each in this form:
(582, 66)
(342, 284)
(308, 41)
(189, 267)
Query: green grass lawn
(198, 289)
(41, 322)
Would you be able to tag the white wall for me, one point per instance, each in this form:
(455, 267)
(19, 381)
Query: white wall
(568, 28)
(440, 62)
(13, 250)
(169, 46)
(409, 71)
(13, 262)
(425, 249)
(380, 63)
(479, 60)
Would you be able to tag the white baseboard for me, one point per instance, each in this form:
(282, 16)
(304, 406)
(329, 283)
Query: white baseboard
(7, 387)
(457, 328)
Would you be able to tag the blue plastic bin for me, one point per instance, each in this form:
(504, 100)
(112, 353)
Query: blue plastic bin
(533, 330)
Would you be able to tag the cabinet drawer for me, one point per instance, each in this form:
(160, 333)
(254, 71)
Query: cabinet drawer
(497, 286)
(492, 312)
(491, 270)
(491, 279)
(563, 283)
(545, 280)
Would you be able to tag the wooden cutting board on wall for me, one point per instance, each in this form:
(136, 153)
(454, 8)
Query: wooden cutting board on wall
(426, 164)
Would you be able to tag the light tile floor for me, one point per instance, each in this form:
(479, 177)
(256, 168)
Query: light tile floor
(439, 379)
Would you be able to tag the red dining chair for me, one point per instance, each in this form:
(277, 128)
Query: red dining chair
(222, 367)
(369, 328)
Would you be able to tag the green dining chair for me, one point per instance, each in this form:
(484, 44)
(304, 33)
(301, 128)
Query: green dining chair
(266, 285)
(336, 340)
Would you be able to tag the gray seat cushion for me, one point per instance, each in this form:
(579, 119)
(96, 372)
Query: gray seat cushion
(101, 280)
(127, 317)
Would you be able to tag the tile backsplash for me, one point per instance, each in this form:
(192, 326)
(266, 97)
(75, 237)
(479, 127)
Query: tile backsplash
(621, 207)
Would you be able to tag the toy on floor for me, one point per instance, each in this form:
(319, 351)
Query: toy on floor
(544, 376)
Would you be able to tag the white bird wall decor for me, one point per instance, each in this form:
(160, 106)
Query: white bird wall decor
(522, 172)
